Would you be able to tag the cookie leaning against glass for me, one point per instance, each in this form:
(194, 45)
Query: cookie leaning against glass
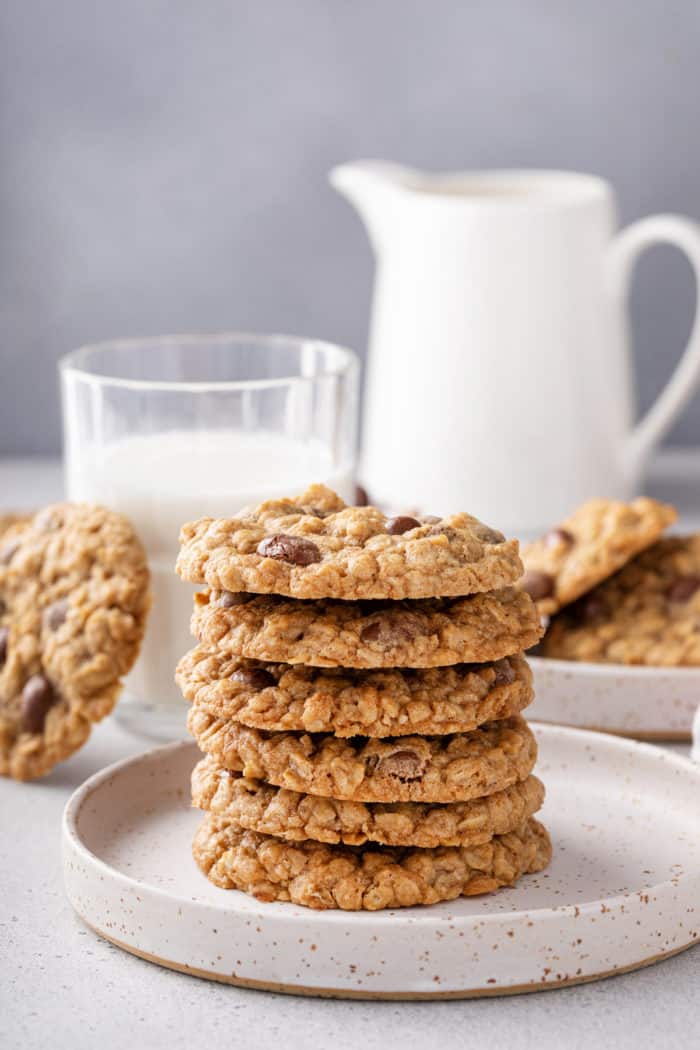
(74, 597)
(356, 689)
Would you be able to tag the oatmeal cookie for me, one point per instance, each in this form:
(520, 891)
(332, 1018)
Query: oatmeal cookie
(9, 520)
(648, 613)
(315, 546)
(317, 875)
(73, 604)
(351, 702)
(402, 769)
(597, 540)
(291, 815)
(429, 632)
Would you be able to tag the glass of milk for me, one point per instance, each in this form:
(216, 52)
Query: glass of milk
(172, 429)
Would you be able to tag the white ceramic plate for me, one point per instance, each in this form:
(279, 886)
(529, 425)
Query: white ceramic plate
(651, 703)
(623, 889)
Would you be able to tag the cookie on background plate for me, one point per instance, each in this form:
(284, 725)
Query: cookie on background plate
(315, 546)
(296, 816)
(425, 632)
(352, 702)
(402, 769)
(10, 520)
(317, 875)
(648, 613)
(589, 546)
(74, 598)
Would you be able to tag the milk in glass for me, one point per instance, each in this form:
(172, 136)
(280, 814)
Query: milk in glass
(161, 481)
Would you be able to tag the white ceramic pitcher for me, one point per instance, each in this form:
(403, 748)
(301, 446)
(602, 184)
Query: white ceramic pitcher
(499, 378)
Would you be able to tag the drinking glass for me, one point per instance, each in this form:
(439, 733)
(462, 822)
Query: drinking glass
(171, 429)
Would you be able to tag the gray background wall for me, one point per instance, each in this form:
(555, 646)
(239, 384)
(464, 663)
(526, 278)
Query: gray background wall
(163, 162)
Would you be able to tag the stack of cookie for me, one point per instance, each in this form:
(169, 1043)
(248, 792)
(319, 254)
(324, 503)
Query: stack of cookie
(615, 589)
(357, 689)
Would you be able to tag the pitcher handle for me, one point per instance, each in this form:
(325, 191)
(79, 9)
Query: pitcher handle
(626, 247)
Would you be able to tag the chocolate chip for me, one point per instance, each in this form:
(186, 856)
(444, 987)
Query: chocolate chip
(488, 535)
(3, 607)
(682, 589)
(504, 673)
(4, 639)
(590, 608)
(559, 538)
(229, 599)
(55, 614)
(294, 549)
(38, 697)
(253, 677)
(397, 526)
(402, 627)
(402, 765)
(371, 632)
(537, 584)
(371, 763)
(361, 497)
(8, 550)
(393, 630)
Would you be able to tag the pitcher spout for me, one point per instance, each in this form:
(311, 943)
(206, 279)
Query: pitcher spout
(373, 187)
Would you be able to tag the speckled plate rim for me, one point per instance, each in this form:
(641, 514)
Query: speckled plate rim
(290, 915)
(317, 992)
(645, 703)
(637, 672)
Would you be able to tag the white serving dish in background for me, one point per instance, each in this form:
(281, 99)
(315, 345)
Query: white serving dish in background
(651, 703)
(621, 892)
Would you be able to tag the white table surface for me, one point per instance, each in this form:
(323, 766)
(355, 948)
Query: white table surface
(63, 986)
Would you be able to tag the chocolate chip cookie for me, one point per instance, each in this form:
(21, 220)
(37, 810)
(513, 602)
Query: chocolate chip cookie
(73, 604)
(350, 702)
(428, 632)
(597, 540)
(315, 546)
(291, 815)
(317, 875)
(402, 769)
(648, 613)
(10, 520)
